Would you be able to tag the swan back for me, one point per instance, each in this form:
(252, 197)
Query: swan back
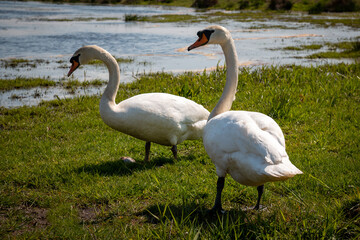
(159, 117)
(249, 146)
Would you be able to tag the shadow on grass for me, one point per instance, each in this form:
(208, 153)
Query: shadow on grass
(188, 213)
(120, 168)
(190, 220)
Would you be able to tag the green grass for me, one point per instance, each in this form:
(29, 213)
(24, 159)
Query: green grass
(62, 178)
(174, 18)
(78, 19)
(20, 62)
(74, 83)
(119, 60)
(349, 49)
(313, 6)
(250, 13)
(21, 82)
(304, 47)
(326, 20)
(332, 20)
(133, 17)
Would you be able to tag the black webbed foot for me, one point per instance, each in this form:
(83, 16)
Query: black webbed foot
(216, 210)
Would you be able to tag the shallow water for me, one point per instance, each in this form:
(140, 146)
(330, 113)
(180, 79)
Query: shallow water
(27, 32)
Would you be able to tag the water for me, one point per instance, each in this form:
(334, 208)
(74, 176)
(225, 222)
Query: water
(28, 30)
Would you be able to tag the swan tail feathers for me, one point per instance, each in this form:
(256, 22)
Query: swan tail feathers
(197, 130)
(281, 171)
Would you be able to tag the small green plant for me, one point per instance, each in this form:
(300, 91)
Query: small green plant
(74, 83)
(20, 63)
(133, 17)
(280, 5)
(244, 4)
(333, 6)
(304, 47)
(21, 82)
(119, 60)
(316, 8)
(349, 49)
(356, 46)
(204, 3)
(24, 83)
(131, 1)
(257, 3)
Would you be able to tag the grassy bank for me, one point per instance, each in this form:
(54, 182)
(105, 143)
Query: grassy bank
(329, 20)
(341, 50)
(61, 175)
(312, 6)
(24, 83)
(248, 14)
(347, 50)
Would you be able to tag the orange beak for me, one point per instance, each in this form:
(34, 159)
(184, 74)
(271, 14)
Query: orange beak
(200, 42)
(74, 66)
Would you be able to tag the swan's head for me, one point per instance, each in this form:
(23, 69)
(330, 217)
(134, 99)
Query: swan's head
(82, 56)
(211, 35)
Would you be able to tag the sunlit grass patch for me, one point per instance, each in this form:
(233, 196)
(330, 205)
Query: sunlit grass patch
(78, 19)
(21, 82)
(351, 20)
(346, 49)
(332, 54)
(61, 175)
(350, 49)
(304, 47)
(175, 18)
(165, 18)
(76, 83)
(119, 60)
(20, 62)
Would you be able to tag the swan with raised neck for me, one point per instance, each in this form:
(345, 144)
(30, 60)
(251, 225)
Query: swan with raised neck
(249, 146)
(153, 117)
(220, 35)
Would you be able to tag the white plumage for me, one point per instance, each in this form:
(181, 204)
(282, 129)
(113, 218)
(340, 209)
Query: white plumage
(153, 117)
(249, 146)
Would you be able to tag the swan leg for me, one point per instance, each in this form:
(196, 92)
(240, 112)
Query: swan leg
(219, 187)
(260, 190)
(174, 151)
(147, 151)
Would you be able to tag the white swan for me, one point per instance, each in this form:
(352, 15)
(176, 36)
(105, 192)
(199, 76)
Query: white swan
(153, 117)
(249, 146)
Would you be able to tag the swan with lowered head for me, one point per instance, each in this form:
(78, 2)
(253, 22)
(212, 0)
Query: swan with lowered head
(153, 117)
(249, 146)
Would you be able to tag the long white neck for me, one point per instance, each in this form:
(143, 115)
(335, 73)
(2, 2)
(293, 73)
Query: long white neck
(228, 95)
(108, 98)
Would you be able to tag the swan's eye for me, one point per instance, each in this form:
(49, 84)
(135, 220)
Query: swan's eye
(199, 34)
(75, 59)
(208, 33)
